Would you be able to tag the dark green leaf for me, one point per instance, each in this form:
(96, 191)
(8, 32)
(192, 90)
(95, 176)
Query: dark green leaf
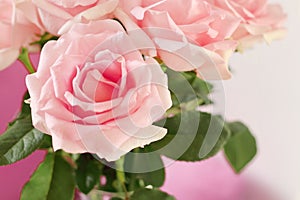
(25, 110)
(241, 147)
(147, 194)
(145, 168)
(186, 86)
(20, 139)
(52, 180)
(192, 136)
(46, 143)
(88, 173)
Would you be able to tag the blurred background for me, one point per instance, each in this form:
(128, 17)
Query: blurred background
(263, 93)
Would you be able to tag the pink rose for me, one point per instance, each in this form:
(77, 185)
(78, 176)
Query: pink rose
(59, 15)
(260, 21)
(94, 92)
(18, 28)
(188, 34)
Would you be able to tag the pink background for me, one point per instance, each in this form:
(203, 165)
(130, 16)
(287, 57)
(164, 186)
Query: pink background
(12, 88)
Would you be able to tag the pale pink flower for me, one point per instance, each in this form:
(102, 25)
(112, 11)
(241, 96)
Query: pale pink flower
(94, 92)
(260, 21)
(59, 15)
(19, 26)
(188, 34)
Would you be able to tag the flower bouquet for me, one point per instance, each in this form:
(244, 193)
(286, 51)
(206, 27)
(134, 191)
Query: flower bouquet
(122, 88)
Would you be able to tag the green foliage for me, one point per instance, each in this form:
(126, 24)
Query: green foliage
(46, 143)
(53, 179)
(87, 173)
(241, 147)
(186, 87)
(20, 139)
(144, 169)
(192, 136)
(146, 194)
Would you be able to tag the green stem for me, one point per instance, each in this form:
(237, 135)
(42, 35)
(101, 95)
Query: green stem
(24, 58)
(132, 181)
(187, 106)
(172, 111)
(121, 176)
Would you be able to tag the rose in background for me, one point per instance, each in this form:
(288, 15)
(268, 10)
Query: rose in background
(260, 21)
(197, 41)
(58, 16)
(19, 25)
(204, 40)
(94, 92)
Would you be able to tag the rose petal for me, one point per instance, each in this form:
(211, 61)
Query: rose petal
(8, 56)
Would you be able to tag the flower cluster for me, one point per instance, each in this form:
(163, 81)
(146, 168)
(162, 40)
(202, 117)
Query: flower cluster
(121, 83)
(100, 87)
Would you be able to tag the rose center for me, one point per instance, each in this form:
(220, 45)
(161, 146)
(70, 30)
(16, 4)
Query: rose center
(104, 92)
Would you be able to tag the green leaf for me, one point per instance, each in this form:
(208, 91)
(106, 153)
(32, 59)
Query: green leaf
(241, 147)
(52, 180)
(20, 139)
(192, 136)
(144, 169)
(25, 110)
(186, 87)
(88, 173)
(148, 194)
(46, 143)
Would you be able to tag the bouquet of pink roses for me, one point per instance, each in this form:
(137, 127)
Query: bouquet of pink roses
(122, 83)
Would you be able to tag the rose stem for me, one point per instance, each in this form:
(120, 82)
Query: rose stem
(121, 175)
(25, 60)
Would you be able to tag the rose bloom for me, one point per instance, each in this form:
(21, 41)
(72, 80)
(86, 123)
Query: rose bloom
(94, 92)
(260, 21)
(188, 34)
(19, 26)
(59, 15)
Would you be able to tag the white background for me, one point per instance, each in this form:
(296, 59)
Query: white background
(265, 94)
